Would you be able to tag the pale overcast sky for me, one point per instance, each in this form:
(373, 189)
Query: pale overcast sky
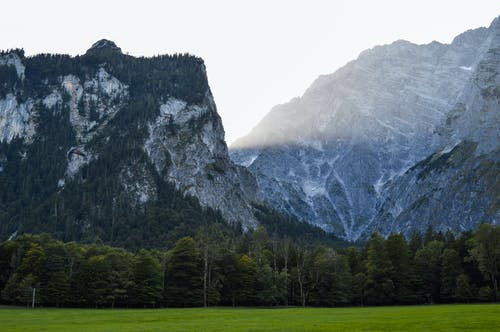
(258, 53)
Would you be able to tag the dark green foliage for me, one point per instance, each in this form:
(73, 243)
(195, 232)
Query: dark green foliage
(416, 242)
(121, 278)
(463, 291)
(358, 289)
(281, 224)
(379, 273)
(211, 240)
(451, 269)
(184, 275)
(8, 80)
(331, 279)
(486, 251)
(246, 278)
(146, 280)
(226, 267)
(437, 162)
(403, 276)
(428, 270)
(229, 268)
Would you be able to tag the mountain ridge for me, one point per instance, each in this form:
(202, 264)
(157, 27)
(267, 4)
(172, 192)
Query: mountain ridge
(328, 156)
(94, 145)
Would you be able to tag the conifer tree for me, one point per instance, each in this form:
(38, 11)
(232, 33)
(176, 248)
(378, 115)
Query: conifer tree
(450, 271)
(486, 251)
(427, 269)
(400, 256)
(379, 269)
(147, 279)
(247, 281)
(184, 275)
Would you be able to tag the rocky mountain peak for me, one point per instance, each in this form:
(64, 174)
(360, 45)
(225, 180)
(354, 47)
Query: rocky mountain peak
(356, 152)
(153, 146)
(104, 45)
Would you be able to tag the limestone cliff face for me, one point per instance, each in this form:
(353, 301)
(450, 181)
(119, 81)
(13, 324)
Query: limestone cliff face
(347, 155)
(107, 133)
(458, 186)
(186, 145)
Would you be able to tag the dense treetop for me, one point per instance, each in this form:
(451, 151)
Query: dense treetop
(256, 268)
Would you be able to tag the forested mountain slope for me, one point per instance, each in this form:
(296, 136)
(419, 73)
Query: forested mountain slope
(130, 150)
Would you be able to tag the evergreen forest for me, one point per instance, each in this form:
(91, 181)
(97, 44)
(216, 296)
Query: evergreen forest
(219, 266)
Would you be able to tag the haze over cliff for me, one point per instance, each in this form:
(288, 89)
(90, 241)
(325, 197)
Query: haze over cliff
(404, 137)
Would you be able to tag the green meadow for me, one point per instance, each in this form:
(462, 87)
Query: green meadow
(403, 318)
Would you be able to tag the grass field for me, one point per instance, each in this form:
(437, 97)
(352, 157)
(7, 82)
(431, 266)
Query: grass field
(410, 318)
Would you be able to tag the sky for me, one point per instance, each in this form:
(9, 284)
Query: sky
(258, 53)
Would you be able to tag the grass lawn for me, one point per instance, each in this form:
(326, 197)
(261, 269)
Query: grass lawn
(407, 318)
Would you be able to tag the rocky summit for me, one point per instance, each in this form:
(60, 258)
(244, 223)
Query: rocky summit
(402, 138)
(112, 146)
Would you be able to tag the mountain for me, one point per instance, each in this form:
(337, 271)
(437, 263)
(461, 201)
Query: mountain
(404, 137)
(130, 150)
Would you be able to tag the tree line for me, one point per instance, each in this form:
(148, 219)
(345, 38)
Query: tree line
(255, 268)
